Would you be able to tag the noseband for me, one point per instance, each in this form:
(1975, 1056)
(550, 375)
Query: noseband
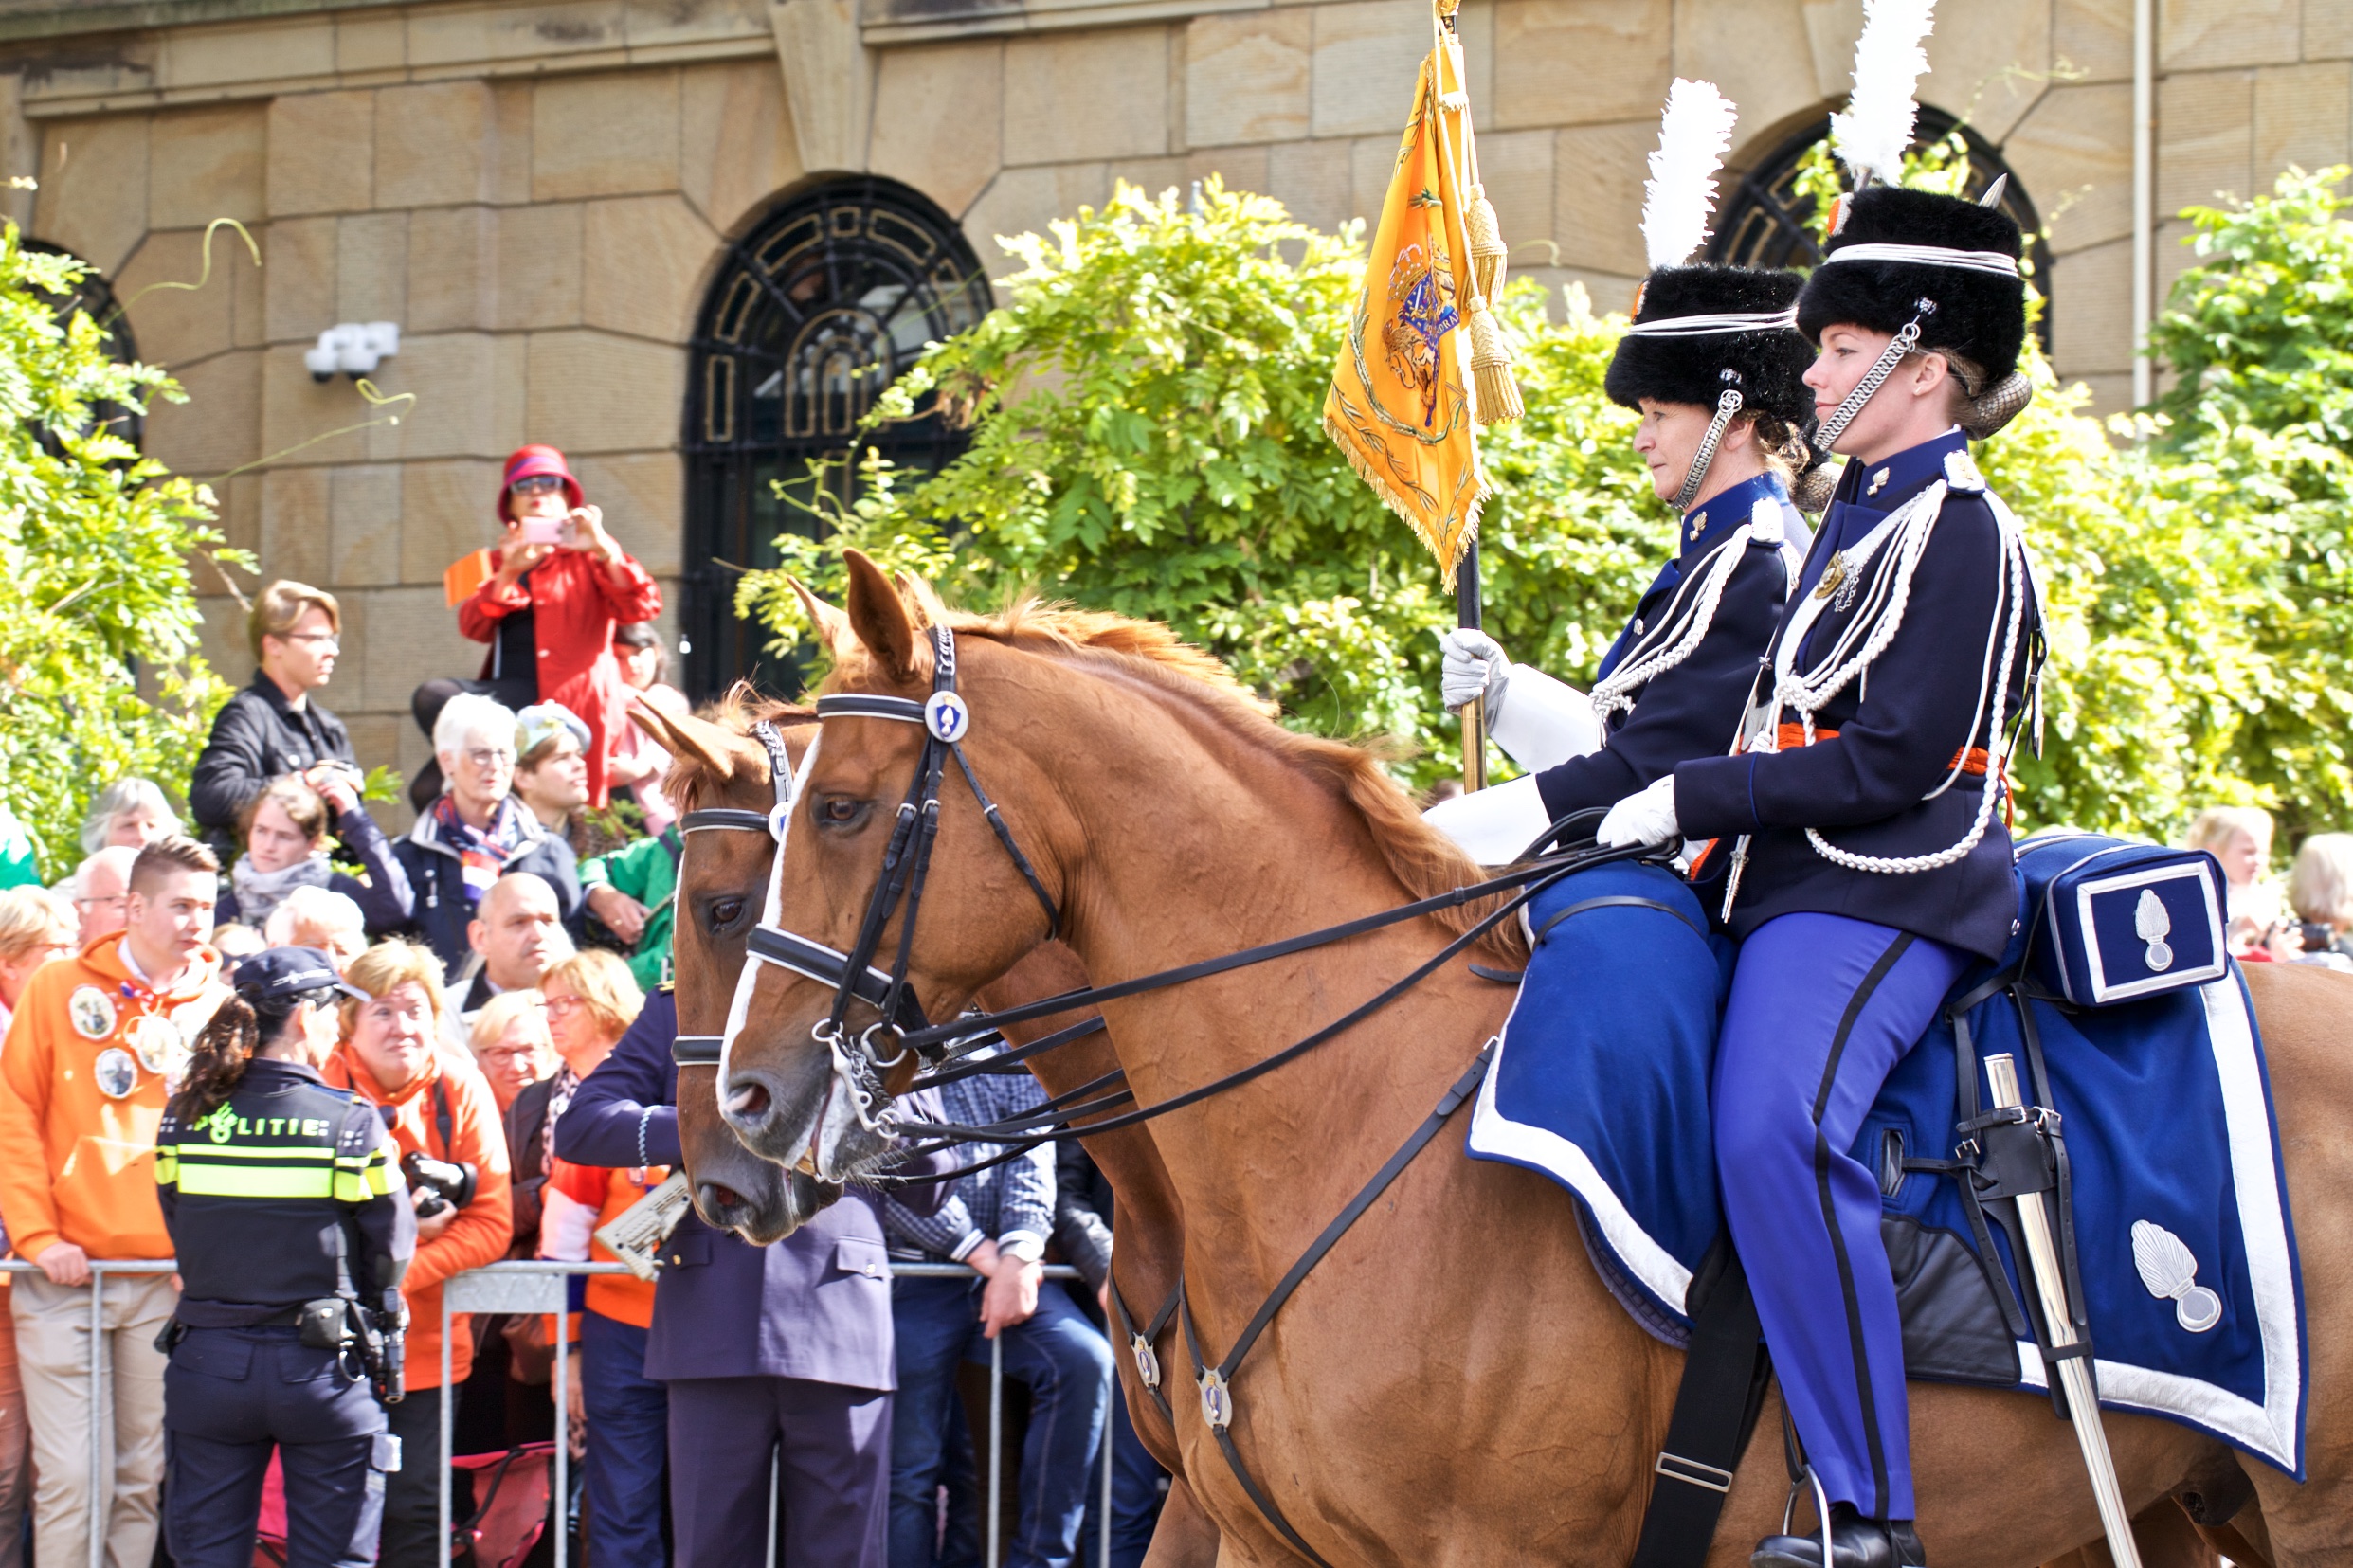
(906, 863)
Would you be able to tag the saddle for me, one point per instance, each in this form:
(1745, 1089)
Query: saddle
(2117, 1002)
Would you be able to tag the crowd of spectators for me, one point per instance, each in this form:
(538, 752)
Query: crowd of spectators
(494, 958)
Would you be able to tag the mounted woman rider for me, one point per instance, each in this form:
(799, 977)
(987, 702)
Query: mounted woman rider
(1869, 861)
(1715, 365)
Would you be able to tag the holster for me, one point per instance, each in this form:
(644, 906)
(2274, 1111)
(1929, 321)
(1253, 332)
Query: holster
(170, 1335)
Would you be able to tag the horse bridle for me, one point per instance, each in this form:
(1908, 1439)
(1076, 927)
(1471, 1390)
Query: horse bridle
(906, 862)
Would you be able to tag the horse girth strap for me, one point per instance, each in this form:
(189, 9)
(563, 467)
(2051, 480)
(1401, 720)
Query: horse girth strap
(1725, 1374)
(1217, 1398)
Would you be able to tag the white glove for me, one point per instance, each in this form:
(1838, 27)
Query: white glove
(1492, 825)
(1647, 818)
(1547, 723)
(1473, 665)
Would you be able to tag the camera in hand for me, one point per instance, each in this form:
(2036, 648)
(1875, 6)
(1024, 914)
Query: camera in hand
(2316, 936)
(439, 1183)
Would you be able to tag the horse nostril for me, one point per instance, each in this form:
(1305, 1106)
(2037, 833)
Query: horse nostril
(726, 1197)
(749, 1102)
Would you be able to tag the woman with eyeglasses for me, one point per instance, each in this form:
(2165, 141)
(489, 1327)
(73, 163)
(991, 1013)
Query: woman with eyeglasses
(476, 830)
(559, 586)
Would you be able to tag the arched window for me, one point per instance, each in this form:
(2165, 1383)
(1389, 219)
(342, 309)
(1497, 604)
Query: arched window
(815, 312)
(1762, 222)
(94, 297)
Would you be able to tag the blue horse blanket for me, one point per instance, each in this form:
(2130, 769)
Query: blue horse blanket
(2181, 1219)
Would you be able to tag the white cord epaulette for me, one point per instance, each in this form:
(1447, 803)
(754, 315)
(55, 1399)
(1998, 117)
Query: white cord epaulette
(1690, 614)
(1894, 550)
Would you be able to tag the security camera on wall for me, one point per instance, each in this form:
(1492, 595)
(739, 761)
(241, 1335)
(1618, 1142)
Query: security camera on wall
(353, 349)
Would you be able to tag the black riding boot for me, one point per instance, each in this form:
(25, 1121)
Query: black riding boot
(1855, 1542)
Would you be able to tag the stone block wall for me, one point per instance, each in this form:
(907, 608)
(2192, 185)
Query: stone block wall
(539, 192)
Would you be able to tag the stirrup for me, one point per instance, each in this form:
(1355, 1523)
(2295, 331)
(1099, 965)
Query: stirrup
(1821, 1509)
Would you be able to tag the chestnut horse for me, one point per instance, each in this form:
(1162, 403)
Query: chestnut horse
(721, 876)
(1452, 1385)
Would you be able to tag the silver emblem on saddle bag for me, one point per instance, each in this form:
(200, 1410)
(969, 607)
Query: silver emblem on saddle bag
(2168, 1269)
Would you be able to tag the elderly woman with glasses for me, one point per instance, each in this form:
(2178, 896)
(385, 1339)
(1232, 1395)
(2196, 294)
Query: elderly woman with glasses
(556, 588)
(476, 831)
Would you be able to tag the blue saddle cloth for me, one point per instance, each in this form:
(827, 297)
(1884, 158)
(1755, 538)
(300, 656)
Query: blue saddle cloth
(2181, 1205)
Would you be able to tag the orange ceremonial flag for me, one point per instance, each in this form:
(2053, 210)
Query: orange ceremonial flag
(1423, 363)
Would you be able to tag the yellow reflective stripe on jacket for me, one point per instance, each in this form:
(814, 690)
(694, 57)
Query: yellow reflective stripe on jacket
(167, 1164)
(208, 1180)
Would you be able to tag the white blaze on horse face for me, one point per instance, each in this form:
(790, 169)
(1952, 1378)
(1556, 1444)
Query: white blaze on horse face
(748, 981)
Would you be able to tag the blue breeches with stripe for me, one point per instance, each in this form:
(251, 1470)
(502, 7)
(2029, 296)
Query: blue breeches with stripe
(1822, 1009)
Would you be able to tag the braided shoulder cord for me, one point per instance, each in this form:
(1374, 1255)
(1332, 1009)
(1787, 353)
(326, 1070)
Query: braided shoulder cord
(1611, 696)
(1806, 697)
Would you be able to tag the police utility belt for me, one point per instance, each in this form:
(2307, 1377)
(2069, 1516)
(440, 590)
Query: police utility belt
(368, 1341)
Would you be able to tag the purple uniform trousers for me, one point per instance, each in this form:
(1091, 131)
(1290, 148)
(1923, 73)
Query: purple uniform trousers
(1823, 1007)
(833, 1448)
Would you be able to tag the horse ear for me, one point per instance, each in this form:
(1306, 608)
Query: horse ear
(878, 617)
(682, 734)
(833, 627)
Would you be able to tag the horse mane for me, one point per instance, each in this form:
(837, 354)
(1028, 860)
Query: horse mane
(691, 781)
(1425, 862)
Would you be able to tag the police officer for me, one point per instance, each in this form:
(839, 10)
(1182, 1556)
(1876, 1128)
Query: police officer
(1872, 864)
(293, 1230)
(1715, 365)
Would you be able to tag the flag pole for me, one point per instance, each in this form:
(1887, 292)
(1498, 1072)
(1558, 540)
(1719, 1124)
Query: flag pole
(1473, 711)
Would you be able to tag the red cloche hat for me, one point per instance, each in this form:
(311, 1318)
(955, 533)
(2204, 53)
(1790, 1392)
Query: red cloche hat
(528, 460)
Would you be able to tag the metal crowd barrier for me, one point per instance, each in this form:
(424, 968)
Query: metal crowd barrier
(538, 1286)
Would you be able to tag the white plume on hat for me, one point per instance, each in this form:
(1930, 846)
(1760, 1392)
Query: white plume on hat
(1871, 136)
(1694, 135)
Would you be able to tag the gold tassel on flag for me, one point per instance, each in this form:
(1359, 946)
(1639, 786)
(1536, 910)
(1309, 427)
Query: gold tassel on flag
(1425, 361)
(1487, 251)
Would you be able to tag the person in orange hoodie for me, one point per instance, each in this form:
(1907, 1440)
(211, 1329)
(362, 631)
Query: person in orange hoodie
(445, 1123)
(82, 1081)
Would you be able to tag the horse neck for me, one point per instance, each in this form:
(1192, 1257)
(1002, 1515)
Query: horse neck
(1199, 841)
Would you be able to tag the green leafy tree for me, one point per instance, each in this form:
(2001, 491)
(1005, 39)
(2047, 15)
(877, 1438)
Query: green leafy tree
(99, 674)
(1146, 437)
(2260, 338)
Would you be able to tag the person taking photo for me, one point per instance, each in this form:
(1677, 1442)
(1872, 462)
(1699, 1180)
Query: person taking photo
(292, 1229)
(272, 727)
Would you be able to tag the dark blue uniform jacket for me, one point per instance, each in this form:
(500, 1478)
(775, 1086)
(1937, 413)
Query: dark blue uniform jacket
(816, 1305)
(1863, 789)
(304, 1174)
(1692, 710)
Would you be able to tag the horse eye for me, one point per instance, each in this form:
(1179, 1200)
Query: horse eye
(840, 811)
(724, 912)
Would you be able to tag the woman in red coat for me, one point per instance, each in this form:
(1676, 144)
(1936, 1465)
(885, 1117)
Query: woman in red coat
(559, 586)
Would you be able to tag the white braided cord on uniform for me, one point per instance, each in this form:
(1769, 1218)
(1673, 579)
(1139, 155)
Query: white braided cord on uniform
(1717, 325)
(1673, 646)
(1807, 694)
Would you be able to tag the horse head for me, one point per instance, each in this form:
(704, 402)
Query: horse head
(723, 879)
(785, 1093)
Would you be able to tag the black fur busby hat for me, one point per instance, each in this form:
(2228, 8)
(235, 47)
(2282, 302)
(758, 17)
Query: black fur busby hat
(1980, 308)
(1670, 366)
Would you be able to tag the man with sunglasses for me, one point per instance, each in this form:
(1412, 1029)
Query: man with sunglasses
(272, 727)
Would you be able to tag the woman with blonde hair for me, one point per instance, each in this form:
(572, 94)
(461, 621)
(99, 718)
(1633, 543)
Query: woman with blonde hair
(2240, 838)
(2320, 889)
(35, 926)
(619, 1418)
(445, 1123)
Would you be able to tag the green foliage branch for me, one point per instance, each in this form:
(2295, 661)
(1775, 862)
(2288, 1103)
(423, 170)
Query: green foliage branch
(99, 676)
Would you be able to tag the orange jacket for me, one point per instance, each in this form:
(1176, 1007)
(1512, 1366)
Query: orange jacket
(592, 1197)
(481, 1230)
(80, 1161)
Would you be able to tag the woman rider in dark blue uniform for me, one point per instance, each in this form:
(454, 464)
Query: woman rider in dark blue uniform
(1869, 861)
(1715, 365)
(282, 1201)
